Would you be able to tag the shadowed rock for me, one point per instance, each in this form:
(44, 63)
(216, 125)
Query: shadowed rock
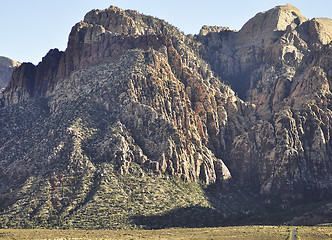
(132, 101)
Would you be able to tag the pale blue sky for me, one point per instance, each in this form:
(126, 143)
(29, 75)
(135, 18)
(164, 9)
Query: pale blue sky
(29, 28)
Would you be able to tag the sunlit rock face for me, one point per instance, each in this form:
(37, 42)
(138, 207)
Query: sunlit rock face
(281, 62)
(133, 95)
(7, 66)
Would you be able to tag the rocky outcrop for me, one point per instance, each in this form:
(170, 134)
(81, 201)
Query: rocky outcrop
(94, 41)
(173, 107)
(212, 29)
(7, 65)
(278, 37)
(279, 61)
(266, 27)
(30, 81)
(132, 97)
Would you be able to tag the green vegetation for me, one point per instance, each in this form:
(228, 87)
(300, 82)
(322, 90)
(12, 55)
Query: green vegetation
(99, 199)
(80, 159)
(241, 232)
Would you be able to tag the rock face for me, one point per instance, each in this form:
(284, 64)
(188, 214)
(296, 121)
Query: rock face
(159, 94)
(131, 97)
(280, 62)
(7, 66)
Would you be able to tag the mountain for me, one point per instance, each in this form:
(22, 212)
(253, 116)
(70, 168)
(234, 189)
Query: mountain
(281, 63)
(7, 66)
(136, 124)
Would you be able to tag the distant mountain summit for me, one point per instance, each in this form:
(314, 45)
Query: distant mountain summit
(137, 125)
(268, 26)
(7, 66)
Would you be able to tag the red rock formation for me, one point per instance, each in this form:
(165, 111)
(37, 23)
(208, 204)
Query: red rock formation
(131, 89)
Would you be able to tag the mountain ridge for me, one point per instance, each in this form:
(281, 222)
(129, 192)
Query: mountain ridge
(133, 98)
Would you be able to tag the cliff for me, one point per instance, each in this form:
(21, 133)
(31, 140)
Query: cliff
(133, 119)
(280, 62)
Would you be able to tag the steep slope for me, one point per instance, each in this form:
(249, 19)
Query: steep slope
(124, 93)
(130, 121)
(280, 62)
(7, 66)
(160, 83)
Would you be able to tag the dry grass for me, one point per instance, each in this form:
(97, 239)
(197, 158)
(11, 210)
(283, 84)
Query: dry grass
(241, 232)
(313, 233)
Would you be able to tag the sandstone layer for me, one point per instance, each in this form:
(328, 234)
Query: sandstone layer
(132, 97)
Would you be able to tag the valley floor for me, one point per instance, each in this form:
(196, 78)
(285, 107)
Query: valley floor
(237, 232)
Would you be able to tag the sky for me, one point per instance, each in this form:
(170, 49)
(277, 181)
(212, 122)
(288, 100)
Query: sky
(29, 29)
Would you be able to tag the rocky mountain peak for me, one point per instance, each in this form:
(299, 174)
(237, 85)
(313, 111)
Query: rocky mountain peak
(286, 15)
(114, 20)
(268, 26)
(134, 104)
(7, 62)
(7, 65)
(320, 29)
